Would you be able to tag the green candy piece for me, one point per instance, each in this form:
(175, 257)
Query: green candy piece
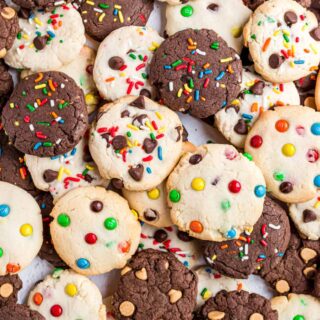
(174, 195)
(298, 317)
(110, 223)
(225, 205)
(1, 252)
(64, 220)
(279, 176)
(187, 11)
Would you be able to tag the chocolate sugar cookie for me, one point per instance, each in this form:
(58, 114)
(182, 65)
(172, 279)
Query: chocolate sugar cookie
(6, 84)
(19, 312)
(196, 72)
(9, 287)
(41, 4)
(46, 115)
(155, 285)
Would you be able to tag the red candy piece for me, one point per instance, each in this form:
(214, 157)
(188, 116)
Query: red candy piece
(313, 155)
(234, 186)
(91, 238)
(256, 141)
(56, 310)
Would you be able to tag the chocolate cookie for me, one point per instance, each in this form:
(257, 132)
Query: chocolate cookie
(43, 4)
(6, 84)
(238, 305)
(196, 72)
(155, 285)
(255, 251)
(254, 4)
(19, 312)
(46, 115)
(9, 287)
(102, 18)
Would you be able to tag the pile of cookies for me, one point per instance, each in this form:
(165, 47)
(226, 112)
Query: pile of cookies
(97, 173)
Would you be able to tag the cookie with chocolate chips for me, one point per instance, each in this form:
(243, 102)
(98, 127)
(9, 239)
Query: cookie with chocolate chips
(9, 287)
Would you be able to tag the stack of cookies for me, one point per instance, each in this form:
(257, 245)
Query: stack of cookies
(98, 177)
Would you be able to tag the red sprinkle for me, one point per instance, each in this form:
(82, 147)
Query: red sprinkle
(147, 159)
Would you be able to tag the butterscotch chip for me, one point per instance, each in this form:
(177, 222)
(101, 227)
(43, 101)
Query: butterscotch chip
(216, 315)
(125, 270)
(282, 286)
(127, 308)
(256, 316)
(309, 272)
(174, 295)
(142, 274)
(307, 254)
(6, 290)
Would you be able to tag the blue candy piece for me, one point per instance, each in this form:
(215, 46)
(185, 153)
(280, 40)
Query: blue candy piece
(315, 129)
(4, 210)
(83, 263)
(260, 191)
(316, 181)
(231, 233)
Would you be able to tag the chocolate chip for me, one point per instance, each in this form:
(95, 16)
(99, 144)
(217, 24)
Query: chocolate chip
(117, 183)
(115, 63)
(136, 172)
(275, 61)
(309, 216)
(138, 121)
(178, 128)
(195, 159)
(185, 134)
(315, 34)
(88, 178)
(138, 103)
(183, 236)
(290, 18)
(50, 175)
(119, 142)
(241, 127)
(286, 187)
(145, 93)
(215, 181)
(24, 13)
(236, 108)
(96, 206)
(160, 235)
(40, 42)
(89, 69)
(151, 215)
(87, 156)
(125, 114)
(257, 88)
(106, 137)
(149, 145)
(213, 7)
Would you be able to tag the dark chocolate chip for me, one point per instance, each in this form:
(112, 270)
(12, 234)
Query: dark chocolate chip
(117, 183)
(309, 216)
(138, 121)
(115, 63)
(241, 127)
(88, 178)
(89, 69)
(149, 145)
(195, 159)
(87, 156)
(24, 13)
(315, 34)
(50, 175)
(275, 61)
(40, 42)
(151, 215)
(178, 128)
(290, 18)
(215, 181)
(96, 206)
(286, 187)
(185, 134)
(145, 93)
(119, 142)
(125, 114)
(257, 88)
(160, 235)
(213, 7)
(138, 103)
(183, 236)
(136, 172)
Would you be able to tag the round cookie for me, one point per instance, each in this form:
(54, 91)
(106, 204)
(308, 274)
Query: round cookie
(40, 4)
(19, 311)
(173, 2)
(257, 250)
(6, 84)
(196, 72)
(283, 39)
(256, 96)
(215, 15)
(46, 115)
(296, 307)
(122, 65)
(215, 193)
(47, 40)
(9, 287)
(102, 238)
(238, 305)
(101, 19)
(137, 141)
(20, 229)
(155, 285)
(283, 140)
(67, 295)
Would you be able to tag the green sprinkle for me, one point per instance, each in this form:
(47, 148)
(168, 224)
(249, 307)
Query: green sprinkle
(19, 35)
(43, 123)
(31, 108)
(104, 6)
(110, 244)
(253, 37)
(49, 21)
(132, 56)
(24, 93)
(47, 144)
(140, 57)
(152, 136)
(63, 105)
(286, 38)
(191, 83)
(241, 254)
(45, 91)
(215, 45)
(141, 245)
(1, 252)
(85, 172)
(203, 292)
(248, 156)
(61, 41)
(225, 205)
(176, 63)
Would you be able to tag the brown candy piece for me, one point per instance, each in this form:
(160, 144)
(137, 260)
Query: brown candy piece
(119, 142)
(286, 187)
(149, 145)
(309, 216)
(257, 88)
(50, 175)
(115, 63)
(160, 235)
(241, 127)
(151, 215)
(213, 7)
(40, 42)
(275, 61)
(145, 93)
(290, 18)
(117, 183)
(136, 172)
(96, 206)
(315, 34)
(195, 159)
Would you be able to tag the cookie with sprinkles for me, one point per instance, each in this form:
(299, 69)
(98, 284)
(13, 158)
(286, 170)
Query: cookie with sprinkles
(6, 84)
(40, 4)
(284, 40)
(47, 40)
(67, 295)
(283, 140)
(215, 193)
(155, 285)
(122, 66)
(102, 238)
(137, 141)
(46, 115)
(257, 250)
(215, 15)
(196, 72)
(9, 287)
(100, 18)
(19, 312)
(256, 96)
(20, 229)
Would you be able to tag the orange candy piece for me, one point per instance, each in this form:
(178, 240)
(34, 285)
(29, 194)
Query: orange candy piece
(196, 226)
(282, 125)
(38, 298)
(124, 246)
(13, 268)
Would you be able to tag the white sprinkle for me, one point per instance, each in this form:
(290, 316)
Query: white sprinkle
(202, 53)
(31, 127)
(52, 103)
(265, 235)
(36, 105)
(170, 86)
(97, 10)
(244, 258)
(58, 119)
(62, 86)
(273, 226)
(58, 141)
(58, 3)
(246, 249)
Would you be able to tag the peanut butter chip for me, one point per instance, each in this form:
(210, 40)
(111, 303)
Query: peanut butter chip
(127, 308)
(174, 295)
(8, 13)
(142, 274)
(3, 52)
(256, 316)
(6, 290)
(125, 270)
(307, 254)
(216, 315)
(309, 272)
(282, 286)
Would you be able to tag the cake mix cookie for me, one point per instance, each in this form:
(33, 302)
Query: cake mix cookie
(284, 40)
(296, 307)
(215, 15)
(101, 19)
(20, 229)
(47, 40)
(6, 84)
(46, 115)
(67, 295)
(155, 285)
(215, 193)
(238, 305)
(256, 96)
(102, 238)
(196, 72)
(108, 303)
(123, 59)
(316, 286)
(41, 4)
(280, 142)
(9, 287)
(60, 174)
(19, 312)
(257, 250)
(137, 141)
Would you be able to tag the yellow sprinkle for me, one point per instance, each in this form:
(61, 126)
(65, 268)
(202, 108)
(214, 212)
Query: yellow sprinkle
(276, 33)
(91, 99)
(293, 50)
(286, 44)
(120, 16)
(66, 171)
(159, 115)
(136, 143)
(214, 257)
(135, 213)
(89, 167)
(162, 130)
(292, 64)
(37, 21)
(180, 93)
(131, 126)
(25, 36)
(235, 102)
(148, 124)
(249, 83)
(11, 105)
(16, 123)
(155, 44)
(40, 86)
(122, 74)
(277, 91)
(305, 27)
(60, 173)
(186, 87)
(90, 2)
(31, 46)
(129, 143)
(152, 48)
(207, 295)
(314, 68)
(101, 17)
(222, 85)
(286, 32)
(226, 60)
(313, 48)
(117, 6)
(316, 205)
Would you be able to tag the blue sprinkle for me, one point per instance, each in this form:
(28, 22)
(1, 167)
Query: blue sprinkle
(262, 256)
(299, 62)
(115, 12)
(4, 210)
(197, 95)
(167, 67)
(38, 33)
(224, 104)
(193, 52)
(74, 151)
(51, 34)
(54, 157)
(315, 129)
(160, 153)
(247, 116)
(201, 74)
(316, 181)
(83, 263)
(61, 121)
(1, 151)
(208, 71)
(130, 151)
(260, 191)
(186, 263)
(149, 170)
(43, 206)
(37, 146)
(65, 155)
(220, 76)
(280, 254)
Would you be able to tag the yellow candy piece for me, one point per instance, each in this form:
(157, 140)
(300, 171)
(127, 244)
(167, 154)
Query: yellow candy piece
(198, 184)
(289, 150)
(26, 230)
(71, 289)
(91, 99)
(135, 213)
(154, 194)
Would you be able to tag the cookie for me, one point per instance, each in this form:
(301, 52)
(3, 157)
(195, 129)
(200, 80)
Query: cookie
(102, 238)
(60, 174)
(6, 84)
(47, 40)
(101, 19)
(9, 287)
(20, 229)
(155, 285)
(215, 193)
(238, 305)
(40, 4)
(46, 115)
(215, 15)
(67, 295)
(316, 287)
(283, 39)
(196, 72)
(256, 96)
(296, 307)
(257, 250)
(123, 60)
(306, 217)
(19, 312)
(281, 141)
(108, 303)
(137, 141)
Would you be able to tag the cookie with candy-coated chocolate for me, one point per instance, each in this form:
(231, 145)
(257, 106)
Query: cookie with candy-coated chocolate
(93, 230)
(215, 193)
(284, 143)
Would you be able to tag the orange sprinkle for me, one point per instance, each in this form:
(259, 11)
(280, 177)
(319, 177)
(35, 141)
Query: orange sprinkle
(266, 45)
(289, 52)
(190, 41)
(203, 99)
(206, 66)
(306, 50)
(22, 173)
(279, 103)
(314, 68)
(51, 86)
(60, 23)
(239, 287)
(38, 101)
(225, 246)
(242, 238)
(189, 99)
(254, 107)
(192, 47)
(261, 110)
(110, 79)
(238, 243)
(40, 77)
(230, 70)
